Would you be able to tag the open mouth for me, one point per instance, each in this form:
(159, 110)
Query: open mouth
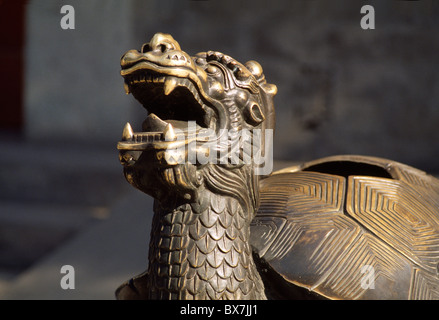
(175, 105)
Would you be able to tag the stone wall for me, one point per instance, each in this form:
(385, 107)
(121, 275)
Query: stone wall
(73, 89)
(342, 89)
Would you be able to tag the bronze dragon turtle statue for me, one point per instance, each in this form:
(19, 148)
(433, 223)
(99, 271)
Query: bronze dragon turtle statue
(225, 227)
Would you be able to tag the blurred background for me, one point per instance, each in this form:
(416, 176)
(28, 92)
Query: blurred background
(63, 198)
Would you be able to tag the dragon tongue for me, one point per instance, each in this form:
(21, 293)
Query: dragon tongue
(153, 124)
(170, 84)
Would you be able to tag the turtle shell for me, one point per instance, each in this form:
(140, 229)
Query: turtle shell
(348, 227)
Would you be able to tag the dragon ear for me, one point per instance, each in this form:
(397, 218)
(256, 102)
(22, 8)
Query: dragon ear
(254, 114)
(270, 89)
(255, 68)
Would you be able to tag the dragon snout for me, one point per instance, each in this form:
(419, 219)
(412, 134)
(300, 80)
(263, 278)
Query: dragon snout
(162, 50)
(161, 42)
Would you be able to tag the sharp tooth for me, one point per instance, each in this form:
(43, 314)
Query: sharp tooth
(127, 133)
(169, 133)
(170, 85)
(127, 89)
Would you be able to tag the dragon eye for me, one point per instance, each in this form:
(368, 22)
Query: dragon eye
(212, 69)
(145, 48)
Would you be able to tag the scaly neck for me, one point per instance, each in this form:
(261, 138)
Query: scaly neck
(201, 251)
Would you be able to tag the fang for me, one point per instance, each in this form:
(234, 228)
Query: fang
(170, 85)
(126, 87)
(127, 133)
(169, 133)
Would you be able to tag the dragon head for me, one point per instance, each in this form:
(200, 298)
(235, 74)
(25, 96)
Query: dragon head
(205, 114)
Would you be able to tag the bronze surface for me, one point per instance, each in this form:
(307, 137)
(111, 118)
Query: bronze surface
(199, 246)
(220, 231)
(319, 223)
